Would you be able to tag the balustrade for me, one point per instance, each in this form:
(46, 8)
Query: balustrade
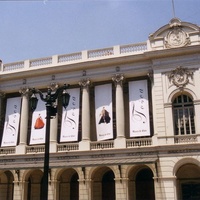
(42, 61)
(70, 57)
(102, 145)
(99, 145)
(100, 53)
(9, 150)
(67, 147)
(185, 139)
(77, 57)
(13, 66)
(35, 149)
(139, 47)
(138, 142)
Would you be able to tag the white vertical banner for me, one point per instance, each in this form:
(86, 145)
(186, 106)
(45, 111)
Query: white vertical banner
(139, 109)
(38, 125)
(70, 117)
(103, 106)
(11, 125)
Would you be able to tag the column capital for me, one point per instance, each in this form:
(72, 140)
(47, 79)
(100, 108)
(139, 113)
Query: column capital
(24, 91)
(2, 94)
(53, 86)
(85, 83)
(118, 79)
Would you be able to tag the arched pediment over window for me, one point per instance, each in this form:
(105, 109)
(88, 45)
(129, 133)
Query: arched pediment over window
(175, 34)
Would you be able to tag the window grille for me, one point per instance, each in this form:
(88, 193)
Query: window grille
(183, 113)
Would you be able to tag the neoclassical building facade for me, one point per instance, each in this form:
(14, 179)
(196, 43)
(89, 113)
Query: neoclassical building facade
(131, 130)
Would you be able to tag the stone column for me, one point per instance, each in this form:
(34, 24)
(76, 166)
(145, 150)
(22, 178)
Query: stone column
(85, 143)
(21, 148)
(54, 121)
(120, 141)
(53, 134)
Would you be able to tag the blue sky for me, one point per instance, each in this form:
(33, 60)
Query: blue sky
(41, 28)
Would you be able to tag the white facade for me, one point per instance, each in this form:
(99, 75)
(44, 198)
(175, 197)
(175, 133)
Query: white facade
(163, 165)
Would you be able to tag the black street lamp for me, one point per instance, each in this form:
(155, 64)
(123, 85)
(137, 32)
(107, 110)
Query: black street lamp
(51, 109)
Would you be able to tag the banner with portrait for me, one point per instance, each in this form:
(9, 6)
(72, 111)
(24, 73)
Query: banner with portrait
(103, 114)
(38, 125)
(139, 109)
(11, 125)
(70, 117)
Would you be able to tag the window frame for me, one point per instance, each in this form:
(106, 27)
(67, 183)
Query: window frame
(183, 115)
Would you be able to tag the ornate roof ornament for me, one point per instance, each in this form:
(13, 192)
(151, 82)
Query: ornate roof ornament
(176, 37)
(180, 76)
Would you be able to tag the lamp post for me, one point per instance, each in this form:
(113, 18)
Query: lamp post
(51, 109)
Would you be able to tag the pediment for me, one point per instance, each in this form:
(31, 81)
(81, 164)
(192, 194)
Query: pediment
(175, 34)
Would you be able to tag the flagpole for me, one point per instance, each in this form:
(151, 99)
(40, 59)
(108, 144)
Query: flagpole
(173, 8)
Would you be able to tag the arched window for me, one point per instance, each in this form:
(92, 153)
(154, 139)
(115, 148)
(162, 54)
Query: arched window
(188, 182)
(183, 113)
(144, 182)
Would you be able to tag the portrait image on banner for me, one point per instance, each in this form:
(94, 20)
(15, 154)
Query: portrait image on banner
(139, 109)
(12, 119)
(38, 125)
(70, 117)
(103, 113)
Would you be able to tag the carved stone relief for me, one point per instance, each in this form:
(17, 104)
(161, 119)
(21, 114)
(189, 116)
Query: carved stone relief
(176, 37)
(180, 76)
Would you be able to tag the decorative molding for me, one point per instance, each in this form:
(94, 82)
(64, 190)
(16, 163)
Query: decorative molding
(196, 102)
(167, 105)
(17, 172)
(180, 76)
(83, 159)
(84, 174)
(120, 172)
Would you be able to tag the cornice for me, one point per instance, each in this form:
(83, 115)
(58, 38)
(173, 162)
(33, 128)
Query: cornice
(179, 51)
(126, 156)
(72, 67)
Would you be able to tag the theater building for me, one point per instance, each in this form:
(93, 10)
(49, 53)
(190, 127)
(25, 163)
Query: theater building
(131, 130)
